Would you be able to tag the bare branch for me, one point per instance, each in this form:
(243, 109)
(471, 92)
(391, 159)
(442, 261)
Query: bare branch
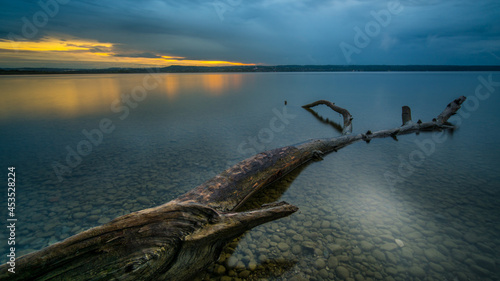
(345, 114)
(450, 110)
(334, 144)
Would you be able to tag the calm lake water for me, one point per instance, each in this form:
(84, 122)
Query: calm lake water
(89, 148)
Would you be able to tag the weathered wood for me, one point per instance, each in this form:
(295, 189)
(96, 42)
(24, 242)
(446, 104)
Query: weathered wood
(231, 188)
(406, 115)
(450, 110)
(345, 113)
(169, 242)
(437, 124)
(176, 240)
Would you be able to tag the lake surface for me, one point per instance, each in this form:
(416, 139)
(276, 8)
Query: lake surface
(89, 148)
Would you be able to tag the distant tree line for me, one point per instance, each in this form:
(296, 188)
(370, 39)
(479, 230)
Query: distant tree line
(258, 68)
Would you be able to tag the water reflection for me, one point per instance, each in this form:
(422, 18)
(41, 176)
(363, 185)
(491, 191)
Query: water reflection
(71, 96)
(172, 85)
(56, 96)
(216, 84)
(212, 84)
(326, 121)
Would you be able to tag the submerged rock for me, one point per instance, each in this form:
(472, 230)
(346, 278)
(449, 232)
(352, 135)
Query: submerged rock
(485, 262)
(416, 271)
(379, 255)
(388, 246)
(79, 215)
(333, 262)
(283, 246)
(342, 272)
(320, 263)
(366, 246)
(434, 255)
(399, 243)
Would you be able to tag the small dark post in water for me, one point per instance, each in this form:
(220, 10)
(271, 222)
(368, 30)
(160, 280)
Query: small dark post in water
(285, 102)
(406, 115)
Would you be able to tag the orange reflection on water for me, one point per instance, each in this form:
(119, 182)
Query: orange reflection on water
(67, 96)
(172, 85)
(213, 84)
(216, 84)
(58, 96)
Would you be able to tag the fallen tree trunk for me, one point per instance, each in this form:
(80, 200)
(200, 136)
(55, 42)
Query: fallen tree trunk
(176, 240)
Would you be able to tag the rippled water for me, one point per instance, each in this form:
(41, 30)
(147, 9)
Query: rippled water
(89, 148)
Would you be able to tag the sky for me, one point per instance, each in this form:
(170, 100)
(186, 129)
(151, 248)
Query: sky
(152, 33)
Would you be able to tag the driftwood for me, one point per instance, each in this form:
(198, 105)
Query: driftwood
(345, 114)
(406, 115)
(178, 239)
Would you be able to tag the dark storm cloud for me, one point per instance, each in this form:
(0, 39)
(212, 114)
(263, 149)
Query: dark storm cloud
(277, 31)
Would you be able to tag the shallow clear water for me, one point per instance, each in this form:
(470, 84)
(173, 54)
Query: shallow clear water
(89, 148)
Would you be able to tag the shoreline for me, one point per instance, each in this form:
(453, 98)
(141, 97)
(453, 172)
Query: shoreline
(250, 69)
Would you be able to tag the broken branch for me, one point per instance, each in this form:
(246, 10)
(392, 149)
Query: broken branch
(345, 114)
(406, 115)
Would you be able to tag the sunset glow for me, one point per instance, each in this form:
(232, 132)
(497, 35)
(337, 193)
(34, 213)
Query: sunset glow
(58, 97)
(61, 96)
(67, 51)
(51, 44)
(213, 84)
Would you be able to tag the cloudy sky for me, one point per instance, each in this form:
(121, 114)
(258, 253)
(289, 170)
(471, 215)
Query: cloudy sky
(133, 33)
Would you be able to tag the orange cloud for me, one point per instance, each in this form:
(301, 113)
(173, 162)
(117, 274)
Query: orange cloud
(58, 50)
(51, 44)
